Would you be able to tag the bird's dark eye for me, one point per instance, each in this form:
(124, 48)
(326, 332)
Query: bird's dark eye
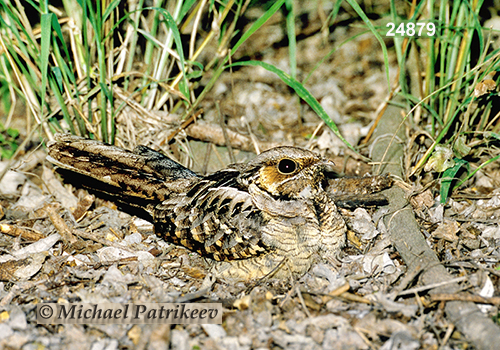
(287, 166)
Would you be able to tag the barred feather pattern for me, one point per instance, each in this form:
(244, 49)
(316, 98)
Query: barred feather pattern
(268, 217)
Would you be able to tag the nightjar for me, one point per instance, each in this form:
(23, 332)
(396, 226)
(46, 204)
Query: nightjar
(268, 217)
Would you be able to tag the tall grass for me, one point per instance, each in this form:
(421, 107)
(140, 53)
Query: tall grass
(77, 71)
(458, 116)
(454, 104)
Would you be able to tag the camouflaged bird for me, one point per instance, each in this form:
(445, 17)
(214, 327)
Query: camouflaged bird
(268, 217)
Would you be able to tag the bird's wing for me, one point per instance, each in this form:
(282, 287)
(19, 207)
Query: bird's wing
(215, 218)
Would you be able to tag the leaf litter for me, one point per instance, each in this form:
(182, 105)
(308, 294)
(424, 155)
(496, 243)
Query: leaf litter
(62, 245)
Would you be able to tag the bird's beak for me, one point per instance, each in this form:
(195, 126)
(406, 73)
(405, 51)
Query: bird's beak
(328, 166)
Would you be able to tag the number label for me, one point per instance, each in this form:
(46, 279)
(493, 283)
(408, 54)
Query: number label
(411, 29)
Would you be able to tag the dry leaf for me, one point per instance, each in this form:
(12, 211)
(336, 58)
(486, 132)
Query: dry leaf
(424, 199)
(484, 87)
(447, 230)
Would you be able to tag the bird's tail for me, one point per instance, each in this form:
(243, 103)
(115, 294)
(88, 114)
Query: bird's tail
(137, 178)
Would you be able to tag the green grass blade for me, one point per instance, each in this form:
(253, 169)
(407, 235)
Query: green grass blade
(185, 7)
(253, 28)
(292, 41)
(302, 92)
(370, 26)
(448, 177)
(46, 33)
(471, 174)
(257, 24)
(178, 44)
(111, 7)
(60, 100)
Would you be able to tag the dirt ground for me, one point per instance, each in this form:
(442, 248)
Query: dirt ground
(415, 274)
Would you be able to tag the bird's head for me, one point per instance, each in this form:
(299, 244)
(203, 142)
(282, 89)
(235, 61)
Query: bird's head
(287, 172)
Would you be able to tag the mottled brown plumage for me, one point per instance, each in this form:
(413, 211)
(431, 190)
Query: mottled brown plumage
(268, 216)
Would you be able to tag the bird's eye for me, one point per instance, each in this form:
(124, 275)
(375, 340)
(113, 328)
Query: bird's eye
(287, 166)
